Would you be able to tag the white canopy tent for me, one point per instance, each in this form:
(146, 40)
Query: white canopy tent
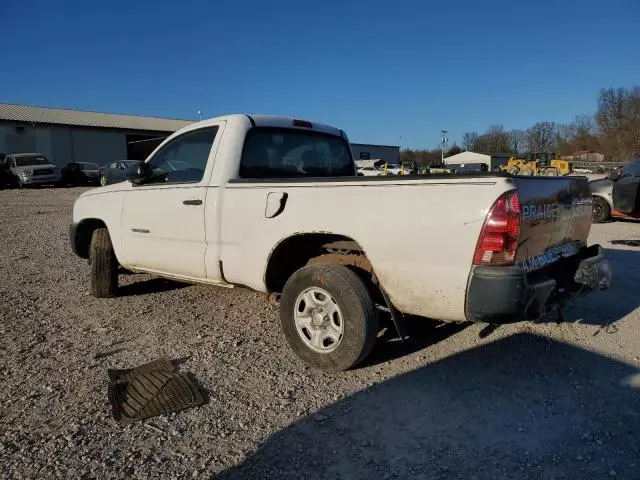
(468, 157)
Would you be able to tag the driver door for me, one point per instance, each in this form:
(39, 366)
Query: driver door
(163, 220)
(626, 190)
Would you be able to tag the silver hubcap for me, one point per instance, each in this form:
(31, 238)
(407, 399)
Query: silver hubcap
(318, 320)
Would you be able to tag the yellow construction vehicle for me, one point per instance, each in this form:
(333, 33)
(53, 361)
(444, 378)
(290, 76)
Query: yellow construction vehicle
(537, 163)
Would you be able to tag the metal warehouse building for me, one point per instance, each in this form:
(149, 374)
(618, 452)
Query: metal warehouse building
(65, 136)
(79, 136)
(388, 153)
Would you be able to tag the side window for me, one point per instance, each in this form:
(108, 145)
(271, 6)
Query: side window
(184, 159)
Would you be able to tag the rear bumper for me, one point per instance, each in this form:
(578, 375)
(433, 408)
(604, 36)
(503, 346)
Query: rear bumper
(508, 294)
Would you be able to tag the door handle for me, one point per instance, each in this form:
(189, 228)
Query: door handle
(275, 204)
(192, 202)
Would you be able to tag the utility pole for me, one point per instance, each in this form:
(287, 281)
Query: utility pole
(443, 143)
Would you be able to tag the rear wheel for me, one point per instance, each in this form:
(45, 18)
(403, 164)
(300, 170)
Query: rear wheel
(601, 210)
(104, 265)
(328, 316)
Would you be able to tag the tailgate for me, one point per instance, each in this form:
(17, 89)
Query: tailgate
(556, 218)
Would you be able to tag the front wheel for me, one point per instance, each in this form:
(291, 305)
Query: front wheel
(328, 316)
(103, 180)
(104, 265)
(601, 210)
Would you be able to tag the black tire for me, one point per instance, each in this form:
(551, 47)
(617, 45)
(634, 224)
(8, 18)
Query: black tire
(601, 210)
(104, 265)
(359, 315)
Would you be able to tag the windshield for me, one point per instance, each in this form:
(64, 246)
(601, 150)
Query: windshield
(286, 152)
(31, 160)
(128, 163)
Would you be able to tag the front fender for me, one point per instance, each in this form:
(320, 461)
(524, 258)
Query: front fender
(96, 209)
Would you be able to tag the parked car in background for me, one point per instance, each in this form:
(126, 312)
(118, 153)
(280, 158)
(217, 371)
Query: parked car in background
(114, 172)
(617, 194)
(369, 171)
(80, 173)
(410, 168)
(6, 177)
(390, 169)
(28, 169)
(438, 169)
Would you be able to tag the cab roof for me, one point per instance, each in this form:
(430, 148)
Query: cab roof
(275, 121)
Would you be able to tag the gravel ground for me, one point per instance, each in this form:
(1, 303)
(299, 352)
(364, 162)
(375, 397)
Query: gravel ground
(459, 401)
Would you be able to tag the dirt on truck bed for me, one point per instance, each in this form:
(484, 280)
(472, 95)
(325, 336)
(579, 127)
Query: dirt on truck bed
(460, 401)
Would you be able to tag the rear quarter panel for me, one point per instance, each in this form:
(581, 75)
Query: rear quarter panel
(419, 235)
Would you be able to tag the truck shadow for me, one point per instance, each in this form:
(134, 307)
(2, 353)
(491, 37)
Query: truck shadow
(152, 285)
(597, 308)
(607, 307)
(521, 407)
(420, 333)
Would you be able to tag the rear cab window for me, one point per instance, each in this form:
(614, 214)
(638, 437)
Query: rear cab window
(290, 153)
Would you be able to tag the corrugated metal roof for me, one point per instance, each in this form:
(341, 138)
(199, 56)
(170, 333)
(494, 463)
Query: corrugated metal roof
(81, 118)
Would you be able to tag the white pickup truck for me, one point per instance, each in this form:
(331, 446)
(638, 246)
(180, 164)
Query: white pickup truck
(275, 204)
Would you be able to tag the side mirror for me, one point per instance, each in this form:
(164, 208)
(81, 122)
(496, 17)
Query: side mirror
(138, 173)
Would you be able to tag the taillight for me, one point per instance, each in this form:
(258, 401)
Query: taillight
(498, 240)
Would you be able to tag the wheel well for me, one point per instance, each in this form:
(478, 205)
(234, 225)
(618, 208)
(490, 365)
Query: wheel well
(299, 250)
(84, 232)
(606, 200)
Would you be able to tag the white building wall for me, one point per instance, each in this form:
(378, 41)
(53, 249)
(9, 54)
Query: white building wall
(61, 145)
(98, 146)
(3, 139)
(43, 142)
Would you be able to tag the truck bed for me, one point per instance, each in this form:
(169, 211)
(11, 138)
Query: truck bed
(419, 238)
